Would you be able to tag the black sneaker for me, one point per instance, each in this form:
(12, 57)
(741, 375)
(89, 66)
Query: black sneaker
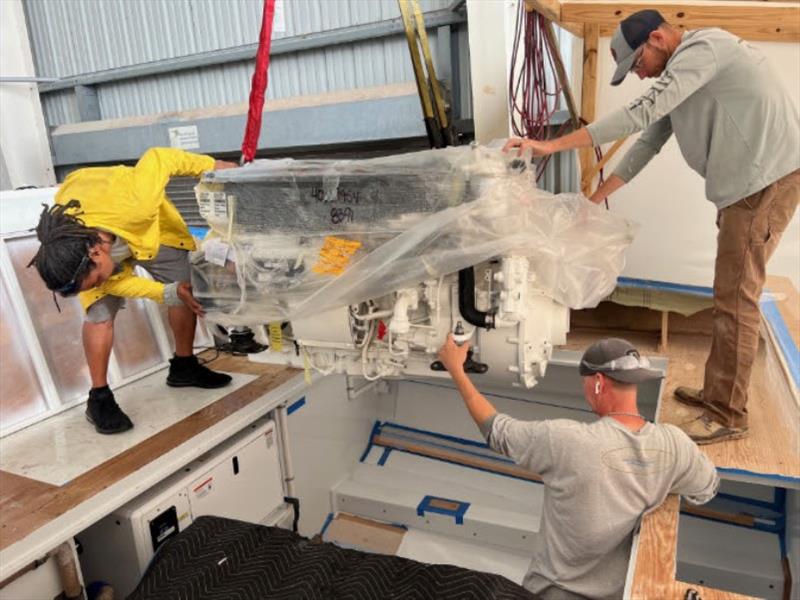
(104, 413)
(186, 371)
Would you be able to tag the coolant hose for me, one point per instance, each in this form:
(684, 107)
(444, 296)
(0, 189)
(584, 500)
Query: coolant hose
(466, 301)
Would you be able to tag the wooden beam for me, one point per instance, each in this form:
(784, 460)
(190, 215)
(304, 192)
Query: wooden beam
(591, 36)
(758, 21)
(589, 175)
(563, 78)
(551, 9)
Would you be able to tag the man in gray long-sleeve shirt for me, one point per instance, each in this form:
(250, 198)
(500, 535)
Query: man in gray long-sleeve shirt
(599, 478)
(737, 127)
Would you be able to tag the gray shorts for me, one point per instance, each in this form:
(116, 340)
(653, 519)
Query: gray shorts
(169, 265)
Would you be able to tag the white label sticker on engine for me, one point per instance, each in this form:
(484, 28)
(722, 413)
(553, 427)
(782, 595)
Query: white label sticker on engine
(216, 252)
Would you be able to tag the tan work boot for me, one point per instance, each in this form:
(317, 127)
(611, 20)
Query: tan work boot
(690, 396)
(705, 430)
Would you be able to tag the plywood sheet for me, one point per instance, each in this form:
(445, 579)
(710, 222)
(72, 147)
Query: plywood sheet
(66, 445)
(44, 502)
(350, 531)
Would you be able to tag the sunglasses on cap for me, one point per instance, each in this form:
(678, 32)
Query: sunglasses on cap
(628, 362)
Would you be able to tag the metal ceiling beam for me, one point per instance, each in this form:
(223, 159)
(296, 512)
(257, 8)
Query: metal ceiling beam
(298, 43)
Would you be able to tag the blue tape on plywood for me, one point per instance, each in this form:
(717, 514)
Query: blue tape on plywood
(442, 436)
(769, 476)
(786, 345)
(375, 430)
(327, 522)
(296, 406)
(694, 290)
(384, 457)
(457, 513)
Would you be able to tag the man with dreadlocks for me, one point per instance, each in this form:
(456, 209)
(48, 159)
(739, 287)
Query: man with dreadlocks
(106, 221)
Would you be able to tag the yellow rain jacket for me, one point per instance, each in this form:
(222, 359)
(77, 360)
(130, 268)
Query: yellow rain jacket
(130, 202)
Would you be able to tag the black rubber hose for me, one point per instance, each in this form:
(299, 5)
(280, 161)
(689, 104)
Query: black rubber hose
(466, 301)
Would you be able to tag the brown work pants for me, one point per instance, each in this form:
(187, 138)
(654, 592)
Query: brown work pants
(749, 232)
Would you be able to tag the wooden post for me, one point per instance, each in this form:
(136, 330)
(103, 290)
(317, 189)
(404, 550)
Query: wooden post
(663, 344)
(591, 35)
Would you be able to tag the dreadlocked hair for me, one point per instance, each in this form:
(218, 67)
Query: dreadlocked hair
(65, 241)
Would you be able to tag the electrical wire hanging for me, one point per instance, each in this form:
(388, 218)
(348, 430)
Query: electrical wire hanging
(534, 89)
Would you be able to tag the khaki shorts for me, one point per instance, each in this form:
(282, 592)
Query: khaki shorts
(169, 265)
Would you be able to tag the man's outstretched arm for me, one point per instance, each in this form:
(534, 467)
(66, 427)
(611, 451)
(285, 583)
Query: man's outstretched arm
(480, 409)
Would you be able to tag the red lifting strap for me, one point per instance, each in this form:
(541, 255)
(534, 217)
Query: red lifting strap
(258, 87)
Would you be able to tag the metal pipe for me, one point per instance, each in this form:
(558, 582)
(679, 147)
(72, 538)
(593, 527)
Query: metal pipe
(281, 421)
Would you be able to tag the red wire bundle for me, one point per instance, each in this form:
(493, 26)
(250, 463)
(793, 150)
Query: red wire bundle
(534, 90)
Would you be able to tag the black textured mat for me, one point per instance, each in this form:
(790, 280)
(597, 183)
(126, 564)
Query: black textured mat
(222, 559)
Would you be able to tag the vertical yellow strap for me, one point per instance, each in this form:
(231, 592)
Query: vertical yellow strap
(426, 51)
(275, 337)
(419, 76)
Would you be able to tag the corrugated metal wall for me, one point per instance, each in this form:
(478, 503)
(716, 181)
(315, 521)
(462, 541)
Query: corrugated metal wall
(71, 37)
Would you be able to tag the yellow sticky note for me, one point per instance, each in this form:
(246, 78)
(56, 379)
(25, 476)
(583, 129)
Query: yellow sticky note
(335, 255)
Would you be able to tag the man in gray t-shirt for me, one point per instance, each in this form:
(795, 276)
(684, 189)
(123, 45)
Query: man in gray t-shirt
(738, 128)
(600, 478)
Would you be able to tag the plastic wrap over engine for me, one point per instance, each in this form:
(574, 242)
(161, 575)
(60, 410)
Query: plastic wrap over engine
(292, 238)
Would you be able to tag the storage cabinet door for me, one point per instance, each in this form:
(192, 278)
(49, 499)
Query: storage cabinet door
(245, 484)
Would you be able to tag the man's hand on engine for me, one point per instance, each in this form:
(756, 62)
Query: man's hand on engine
(452, 355)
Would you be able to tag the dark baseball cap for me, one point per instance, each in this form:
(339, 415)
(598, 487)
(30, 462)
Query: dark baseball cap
(619, 360)
(629, 36)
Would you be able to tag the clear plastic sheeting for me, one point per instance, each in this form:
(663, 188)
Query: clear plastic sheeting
(293, 238)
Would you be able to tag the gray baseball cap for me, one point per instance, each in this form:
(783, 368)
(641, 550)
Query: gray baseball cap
(617, 359)
(630, 35)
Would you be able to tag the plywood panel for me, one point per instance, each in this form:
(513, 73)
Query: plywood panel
(46, 503)
(776, 21)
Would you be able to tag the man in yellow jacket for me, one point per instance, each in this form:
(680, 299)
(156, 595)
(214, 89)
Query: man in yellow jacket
(105, 221)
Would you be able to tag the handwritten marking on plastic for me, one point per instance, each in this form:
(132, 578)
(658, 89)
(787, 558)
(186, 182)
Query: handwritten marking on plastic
(335, 255)
(342, 215)
(341, 196)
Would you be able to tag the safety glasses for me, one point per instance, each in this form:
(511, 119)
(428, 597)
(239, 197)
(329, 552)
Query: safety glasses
(73, 286)
(629, 362)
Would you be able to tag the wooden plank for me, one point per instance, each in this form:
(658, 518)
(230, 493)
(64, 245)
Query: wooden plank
(551, 10)
(588, 175)
(654, 573)
(386, 441)
(591, 35)
(788, 302)
(367, 535)
(563, 78)
(758, 21)
(52, 502)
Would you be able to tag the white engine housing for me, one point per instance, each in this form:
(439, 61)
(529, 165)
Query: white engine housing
(399, 334)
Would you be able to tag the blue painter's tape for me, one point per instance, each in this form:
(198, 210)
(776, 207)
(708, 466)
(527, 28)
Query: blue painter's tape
(773, 506)
(296, 405)
(769, 308)
(384, 457)
(327, 522)
(376, 428)
(770, 476)
(489, 457)
(457, 513)
(198, 232)
(694, 290)
(442, 436)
